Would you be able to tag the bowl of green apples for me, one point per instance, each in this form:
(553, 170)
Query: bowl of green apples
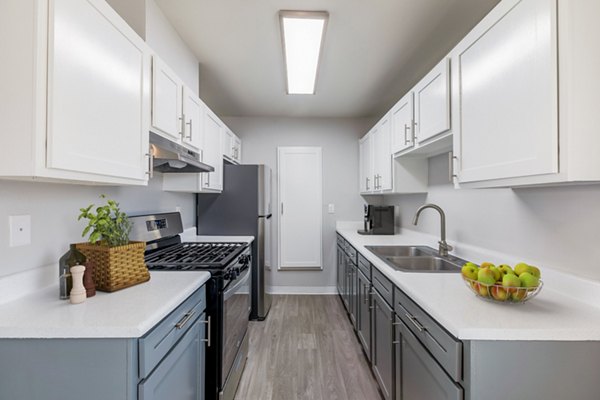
(502, 283)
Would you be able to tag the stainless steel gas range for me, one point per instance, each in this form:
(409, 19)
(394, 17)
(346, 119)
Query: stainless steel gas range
(228, 293)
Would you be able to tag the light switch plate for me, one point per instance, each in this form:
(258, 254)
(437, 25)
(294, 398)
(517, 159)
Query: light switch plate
(331, 208)
(20, 230)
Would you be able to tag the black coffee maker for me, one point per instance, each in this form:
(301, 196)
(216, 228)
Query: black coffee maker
(379, 220)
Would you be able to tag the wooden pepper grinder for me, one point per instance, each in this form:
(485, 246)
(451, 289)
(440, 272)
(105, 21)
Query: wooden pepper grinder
(78, 292)
(88, 279)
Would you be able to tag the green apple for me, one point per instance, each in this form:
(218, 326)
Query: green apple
(511, 281)
(506, 270)
(529, 280)
(486, 276)
(519, 294)
(535, 271)
(521, 267)
(487, 264)
(499, 293)
(497, 274)
(469, 270)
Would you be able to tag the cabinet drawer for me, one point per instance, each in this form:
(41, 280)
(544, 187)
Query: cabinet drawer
(351, 253)
(446, 349)
(159, 341)
(365, 266)
(383, 285)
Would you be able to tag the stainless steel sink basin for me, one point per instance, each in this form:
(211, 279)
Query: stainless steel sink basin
(416, 259)
(402, 251)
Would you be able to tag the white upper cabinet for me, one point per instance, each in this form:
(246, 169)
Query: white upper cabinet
(506, 94)
(177, 112)
(402, 124)
(365, 146)
(231, 146)
(167, 96)
(193, 118)
(432, 103)
(213, 181)
(383, 155)
(74, 93)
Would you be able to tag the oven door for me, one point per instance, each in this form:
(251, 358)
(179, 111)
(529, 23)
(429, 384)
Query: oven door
(236, 310)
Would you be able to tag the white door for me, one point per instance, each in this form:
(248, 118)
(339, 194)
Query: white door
(166, 101)
(299, 171)
(402, 124)
(382, 155)
(212, 152)
(97, 121)
(193, 112)
(505, 95)
(432, 102)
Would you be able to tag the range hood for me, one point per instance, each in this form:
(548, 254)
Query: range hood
(170, 157)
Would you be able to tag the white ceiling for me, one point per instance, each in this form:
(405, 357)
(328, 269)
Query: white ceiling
(374, 51)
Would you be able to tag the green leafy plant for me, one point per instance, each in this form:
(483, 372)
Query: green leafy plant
(108, 225)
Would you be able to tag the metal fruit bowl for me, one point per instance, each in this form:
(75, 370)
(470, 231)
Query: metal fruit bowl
(502, 294)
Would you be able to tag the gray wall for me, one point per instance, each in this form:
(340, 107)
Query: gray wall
(551, 226)
(338, 139)
(54, 209)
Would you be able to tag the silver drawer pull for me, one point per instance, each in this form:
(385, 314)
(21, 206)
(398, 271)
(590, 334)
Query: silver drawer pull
(207, 340)
(186, 318)
(414, 321)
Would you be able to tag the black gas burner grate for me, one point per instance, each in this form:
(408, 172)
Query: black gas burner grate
(190, 256)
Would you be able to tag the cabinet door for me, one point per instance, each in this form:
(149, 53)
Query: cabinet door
(192, 113)
(180, 375)
(340, 271)
(421, 376)
(97, 92)
(212, 152)
(383, 155)
(383, 335)
(227, 143)
(366, 163)
(167, 95)
(432, 102)
(237, 148)
(352, 292)
(346, 294)
(402, 124)
(363, 318)
(505, 94)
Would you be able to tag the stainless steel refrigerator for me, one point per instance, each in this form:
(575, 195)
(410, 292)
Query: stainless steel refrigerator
(243, 208)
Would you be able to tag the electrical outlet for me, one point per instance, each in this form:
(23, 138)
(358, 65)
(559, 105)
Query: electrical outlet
(20, 230)
(331, 208)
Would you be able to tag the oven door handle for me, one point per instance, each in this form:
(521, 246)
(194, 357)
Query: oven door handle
(241, 280)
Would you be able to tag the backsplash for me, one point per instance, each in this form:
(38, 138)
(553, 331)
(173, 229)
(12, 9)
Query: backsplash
(551, 226)
(54, 209)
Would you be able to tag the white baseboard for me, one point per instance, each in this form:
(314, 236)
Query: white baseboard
(303, 289)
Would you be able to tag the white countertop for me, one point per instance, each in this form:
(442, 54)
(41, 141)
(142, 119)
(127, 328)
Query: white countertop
(566, 309)
(127, 313)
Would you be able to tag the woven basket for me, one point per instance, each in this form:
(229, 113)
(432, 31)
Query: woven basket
(116, 267)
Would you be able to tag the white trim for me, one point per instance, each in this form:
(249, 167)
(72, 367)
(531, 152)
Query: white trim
(312, 290)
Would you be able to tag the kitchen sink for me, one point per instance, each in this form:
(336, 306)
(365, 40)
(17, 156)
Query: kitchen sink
(416, 259)
(402, 251)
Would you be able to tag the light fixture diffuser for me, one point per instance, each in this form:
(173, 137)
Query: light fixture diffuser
(302, 34)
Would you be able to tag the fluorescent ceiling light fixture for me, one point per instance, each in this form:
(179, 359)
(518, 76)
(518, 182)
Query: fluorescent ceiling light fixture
(302, 34)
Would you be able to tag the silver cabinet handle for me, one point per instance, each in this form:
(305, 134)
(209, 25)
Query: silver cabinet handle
(186, 318)
(415, 322)
(182, 125)
(190, 125)
(207, 340)
(451, 174)
(366, 289)
(367, 183)
(150, 156)
(406, 129)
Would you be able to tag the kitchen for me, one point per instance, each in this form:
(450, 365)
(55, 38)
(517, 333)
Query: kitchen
(526, 191)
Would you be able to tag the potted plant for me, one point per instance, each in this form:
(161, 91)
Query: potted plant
(118, 262)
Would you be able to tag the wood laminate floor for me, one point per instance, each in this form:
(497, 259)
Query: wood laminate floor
(306, 349)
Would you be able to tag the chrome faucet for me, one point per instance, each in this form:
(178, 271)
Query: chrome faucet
(444, 247)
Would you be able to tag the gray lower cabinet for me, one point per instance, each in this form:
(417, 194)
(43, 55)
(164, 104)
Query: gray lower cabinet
(352, 292)
(341, 273)
(363, 312)
(167, 363)
(418, 375)
(181, 374)
(382, 354)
